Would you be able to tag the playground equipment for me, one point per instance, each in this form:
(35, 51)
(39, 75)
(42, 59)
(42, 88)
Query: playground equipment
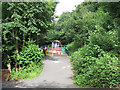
(56, 49)
(56, 44)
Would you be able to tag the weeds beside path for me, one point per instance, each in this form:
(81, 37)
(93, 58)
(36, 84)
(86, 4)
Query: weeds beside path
(56, 73)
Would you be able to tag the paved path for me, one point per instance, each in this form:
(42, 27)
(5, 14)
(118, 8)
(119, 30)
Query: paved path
(56, 73)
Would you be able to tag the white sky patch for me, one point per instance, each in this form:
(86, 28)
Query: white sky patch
(66, 6)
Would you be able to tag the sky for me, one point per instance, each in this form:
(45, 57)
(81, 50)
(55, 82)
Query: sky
(66, 6)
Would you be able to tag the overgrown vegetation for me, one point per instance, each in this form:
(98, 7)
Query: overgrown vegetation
(28, 72)
(94, 67)
(29, 62)
(92, 33)
(23, 22)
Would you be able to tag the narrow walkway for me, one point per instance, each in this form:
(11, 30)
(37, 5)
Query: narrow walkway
(56, 73)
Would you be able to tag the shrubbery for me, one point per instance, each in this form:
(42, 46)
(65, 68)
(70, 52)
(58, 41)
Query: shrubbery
(29, 62)
(26, 73)
(73, 46)
(29, 55)
(107, 42)
(95, 68)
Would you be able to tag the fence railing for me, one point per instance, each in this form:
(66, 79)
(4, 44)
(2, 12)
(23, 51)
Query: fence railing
(63, 48)
(67, 52)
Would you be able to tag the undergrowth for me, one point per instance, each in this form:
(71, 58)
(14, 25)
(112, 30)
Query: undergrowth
(29, 62)
(94, 67)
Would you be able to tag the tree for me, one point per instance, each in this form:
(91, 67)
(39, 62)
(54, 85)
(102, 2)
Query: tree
(23, 21)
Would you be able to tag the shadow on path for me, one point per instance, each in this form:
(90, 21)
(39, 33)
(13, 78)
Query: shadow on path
(49, 58)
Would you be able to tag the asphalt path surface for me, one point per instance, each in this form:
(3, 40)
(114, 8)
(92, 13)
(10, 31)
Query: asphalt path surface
(57, 73)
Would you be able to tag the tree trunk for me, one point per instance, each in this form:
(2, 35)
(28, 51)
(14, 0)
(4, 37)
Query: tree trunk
(17, 55)
(16, 44)
(23, 40)
(16, 52)
(9, 67)
(29, 37)
(84, 42)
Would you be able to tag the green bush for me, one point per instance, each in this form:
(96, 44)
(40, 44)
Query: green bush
(73, 46)
(107, 42)
(29, 54)
(95, 68)
(27, 72)
(29, 62)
